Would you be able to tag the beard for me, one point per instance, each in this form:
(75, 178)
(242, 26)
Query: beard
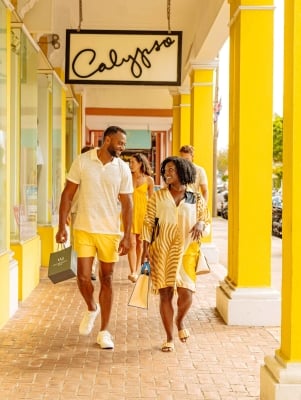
(113, 152)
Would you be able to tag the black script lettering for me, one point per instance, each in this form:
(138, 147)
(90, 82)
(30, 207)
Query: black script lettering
(137, 61)
(90, 62)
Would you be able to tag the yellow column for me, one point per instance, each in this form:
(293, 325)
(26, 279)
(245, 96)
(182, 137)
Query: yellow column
(245, 297)
(80, 141)
(6, 261)
(184, 118)
(281, 375)
(201, 120)
(175, 122)
(60, 73)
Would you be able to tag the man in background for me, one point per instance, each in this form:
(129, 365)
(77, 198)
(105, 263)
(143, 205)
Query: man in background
(201, 181)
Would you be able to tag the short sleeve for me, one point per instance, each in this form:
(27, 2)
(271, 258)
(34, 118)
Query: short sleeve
(126, 185)
(74, 172)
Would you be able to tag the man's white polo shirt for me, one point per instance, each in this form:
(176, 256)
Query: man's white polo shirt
(98, 207)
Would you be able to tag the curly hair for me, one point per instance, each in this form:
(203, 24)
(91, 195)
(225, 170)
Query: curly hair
(185, 169)
(145, 167)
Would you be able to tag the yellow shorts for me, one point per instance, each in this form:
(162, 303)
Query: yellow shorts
(89, 244)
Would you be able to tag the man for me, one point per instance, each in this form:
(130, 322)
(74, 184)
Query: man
(104, 182)
(201, 181)
(73, 215)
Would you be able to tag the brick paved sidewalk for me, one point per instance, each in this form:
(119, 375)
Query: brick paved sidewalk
(43, 357)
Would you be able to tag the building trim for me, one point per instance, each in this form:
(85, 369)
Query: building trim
(249, 8)
(133, 112)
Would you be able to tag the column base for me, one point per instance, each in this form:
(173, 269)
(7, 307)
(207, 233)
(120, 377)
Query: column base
(48, 243)
(248, 306)
(13, 285)
(280, 380)
(28, 256)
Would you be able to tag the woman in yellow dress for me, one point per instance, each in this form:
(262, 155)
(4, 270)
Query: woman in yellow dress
(143, 185)
(175, 221)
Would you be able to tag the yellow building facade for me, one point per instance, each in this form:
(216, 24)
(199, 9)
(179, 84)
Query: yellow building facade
(38, 142)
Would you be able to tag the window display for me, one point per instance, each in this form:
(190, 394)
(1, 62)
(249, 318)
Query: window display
(23, 136)
(3, 128)
(56, 149)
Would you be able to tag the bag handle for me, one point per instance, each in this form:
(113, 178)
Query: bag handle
(61, 246)
(145, 268)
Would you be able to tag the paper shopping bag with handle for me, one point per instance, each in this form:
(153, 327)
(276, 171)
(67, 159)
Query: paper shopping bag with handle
(62, 264)
(139, 296)
(202, 266)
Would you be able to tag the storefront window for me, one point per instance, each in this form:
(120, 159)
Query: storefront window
(3, 128)
(23, 137)
(56, 149)
(44, 113)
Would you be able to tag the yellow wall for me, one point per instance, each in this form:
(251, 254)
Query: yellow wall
(48, 243)
(4, 289)
(28, 255)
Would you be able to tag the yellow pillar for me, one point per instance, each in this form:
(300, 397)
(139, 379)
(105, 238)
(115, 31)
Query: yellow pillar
(245, 297)
(79, 139)
(281, 375)
(6, 261)
(181, 120)
(175, 122)
(184, 118)
(201, 120)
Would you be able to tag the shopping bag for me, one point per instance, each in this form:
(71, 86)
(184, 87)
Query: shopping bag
(202, 266)
(62, 265)
(139, 296)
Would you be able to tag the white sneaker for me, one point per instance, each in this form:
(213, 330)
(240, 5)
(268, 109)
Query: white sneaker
(104, 339)
(87, 323)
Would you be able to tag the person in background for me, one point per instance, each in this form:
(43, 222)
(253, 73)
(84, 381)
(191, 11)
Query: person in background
(104, 182)
(143, 185)
(73, 215)
(173, 226)
(201, 181)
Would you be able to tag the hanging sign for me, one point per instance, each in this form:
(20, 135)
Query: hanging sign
(123, 57)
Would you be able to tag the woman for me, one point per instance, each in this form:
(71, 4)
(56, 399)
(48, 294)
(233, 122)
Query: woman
(173, 226)
(143, 185)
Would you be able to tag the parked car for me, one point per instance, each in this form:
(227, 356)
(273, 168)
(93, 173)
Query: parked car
(222, 200)
(225, 210)
(277, 221)
(277, 201)
(277, 214)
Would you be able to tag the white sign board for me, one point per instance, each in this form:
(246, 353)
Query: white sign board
(123, 57)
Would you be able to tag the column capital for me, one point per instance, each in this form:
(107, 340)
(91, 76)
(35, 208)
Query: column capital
(184, 90)
(195, 65)
(249, 8)
(179, 91)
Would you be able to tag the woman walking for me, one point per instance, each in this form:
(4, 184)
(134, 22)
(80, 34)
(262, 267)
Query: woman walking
(173, 227)
(143, 185)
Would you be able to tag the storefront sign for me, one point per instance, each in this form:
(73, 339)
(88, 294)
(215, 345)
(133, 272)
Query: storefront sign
(123, 57)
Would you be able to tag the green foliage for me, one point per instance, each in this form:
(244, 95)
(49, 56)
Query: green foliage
(222, 161)
(277, 150)
(222, 164)
(277, 139)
